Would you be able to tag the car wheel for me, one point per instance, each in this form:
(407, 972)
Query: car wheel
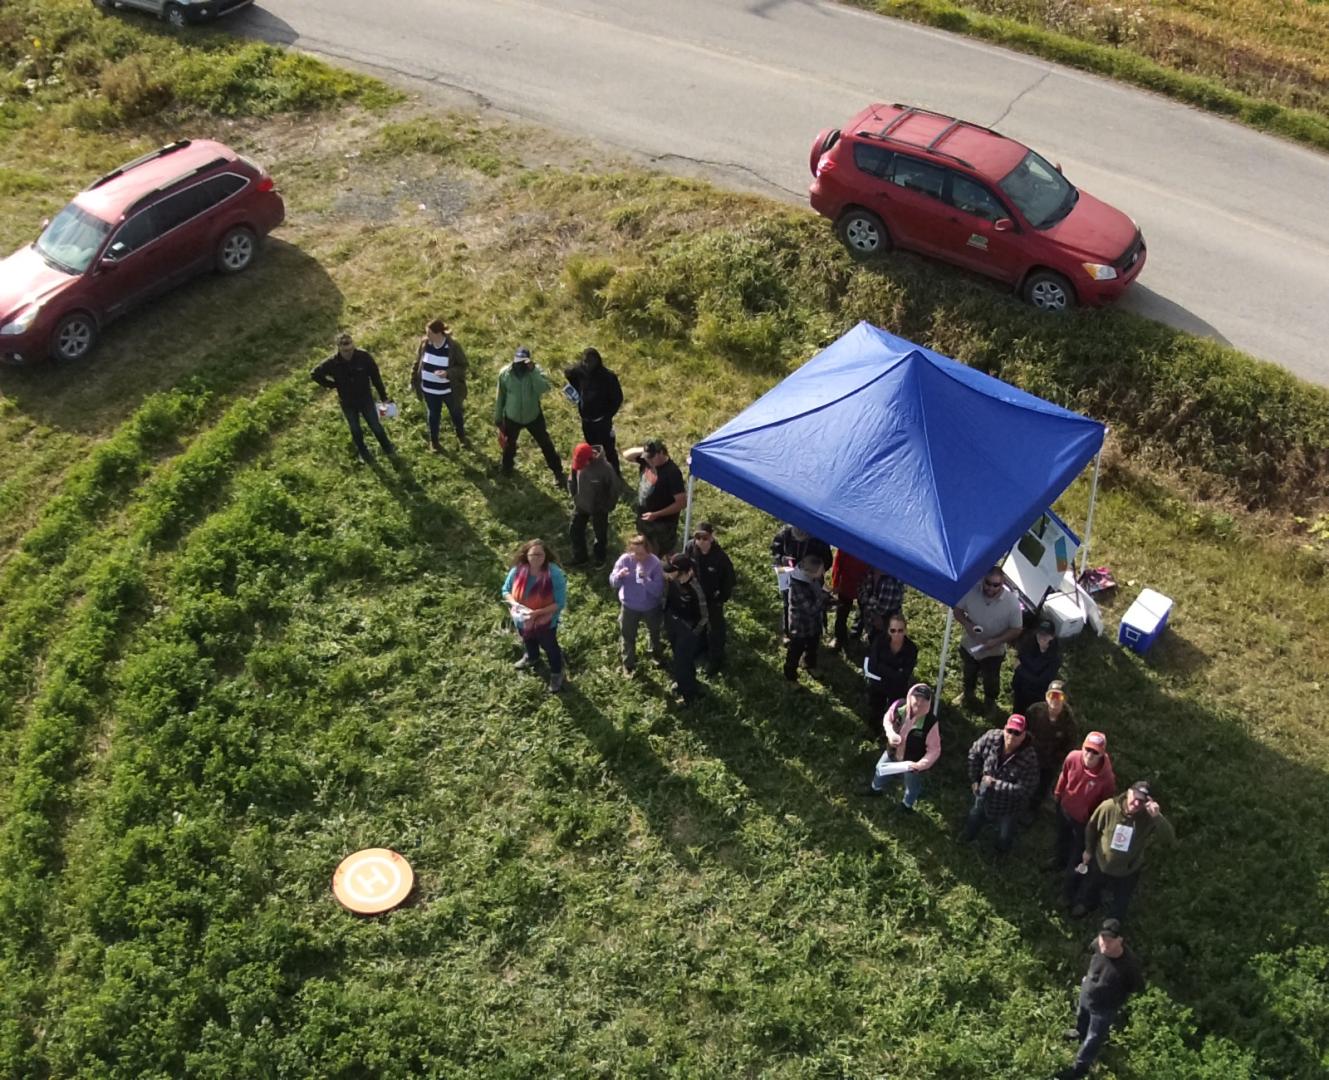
(74, 336)
(1049, 292)
(864, 234)
(175, 16)
(236, 250)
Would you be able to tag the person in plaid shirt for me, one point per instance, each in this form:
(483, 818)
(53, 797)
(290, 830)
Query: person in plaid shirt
(1003, 770)
(807, 606)
(879, 597)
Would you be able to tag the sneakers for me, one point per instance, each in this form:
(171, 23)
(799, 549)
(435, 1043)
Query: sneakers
(556, 682)
(435, 447)
(524, 663)
(629, 670)
(561, 482)
(1071, 1035)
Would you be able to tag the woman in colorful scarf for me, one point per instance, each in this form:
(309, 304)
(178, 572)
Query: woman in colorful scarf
(536, 591)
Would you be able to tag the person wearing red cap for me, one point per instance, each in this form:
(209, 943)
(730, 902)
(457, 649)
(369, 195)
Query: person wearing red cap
(1003, 769)
(1086, 779)
(594, 489)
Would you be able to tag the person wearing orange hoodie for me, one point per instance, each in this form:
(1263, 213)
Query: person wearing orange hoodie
(1086, 779)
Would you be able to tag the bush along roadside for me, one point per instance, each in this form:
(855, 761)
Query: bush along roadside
(778, 288)
(1206, 90)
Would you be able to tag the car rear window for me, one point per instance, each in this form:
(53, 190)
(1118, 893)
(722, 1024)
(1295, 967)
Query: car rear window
(919, 176)
(873, 160)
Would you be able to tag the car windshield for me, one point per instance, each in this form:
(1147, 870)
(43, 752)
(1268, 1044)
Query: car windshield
(1042, 194)
(73, 239)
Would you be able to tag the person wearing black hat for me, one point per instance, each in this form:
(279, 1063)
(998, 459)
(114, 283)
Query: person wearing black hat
(715, 572)
(1116, 837)
(685, 623)
(661, 495)
(598, 397)
(1114, 975)
(354, 375)
(1037, 662)
(517, 407)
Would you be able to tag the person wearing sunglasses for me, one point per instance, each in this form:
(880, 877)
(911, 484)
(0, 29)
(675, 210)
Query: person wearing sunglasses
(715, 572)
(888, 669)
(1003, 769)
(990, 615)
(1086, 780)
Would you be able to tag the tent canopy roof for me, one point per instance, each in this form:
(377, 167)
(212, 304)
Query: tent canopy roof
(915, 463)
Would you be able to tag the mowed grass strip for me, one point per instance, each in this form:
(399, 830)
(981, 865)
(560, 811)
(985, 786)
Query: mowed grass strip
(608, 885)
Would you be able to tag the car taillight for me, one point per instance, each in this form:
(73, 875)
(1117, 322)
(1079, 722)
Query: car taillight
(267, 184)
(825, 165)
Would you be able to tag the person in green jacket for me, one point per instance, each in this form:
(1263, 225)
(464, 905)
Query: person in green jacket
(520, 387)
(1115, 839)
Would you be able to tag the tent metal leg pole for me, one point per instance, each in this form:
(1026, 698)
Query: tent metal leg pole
(945, 650)
(1089, 521)
(687, 514)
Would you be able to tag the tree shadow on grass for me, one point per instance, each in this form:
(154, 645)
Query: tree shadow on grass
(1183, 921)
(213, 335)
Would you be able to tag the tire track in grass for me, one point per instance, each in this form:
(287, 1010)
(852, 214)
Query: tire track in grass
(73, 694)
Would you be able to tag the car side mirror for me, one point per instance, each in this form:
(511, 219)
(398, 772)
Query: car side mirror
(1003, 225)
(1057, 165)
(106, 264)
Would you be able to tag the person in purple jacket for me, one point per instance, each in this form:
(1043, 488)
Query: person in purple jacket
(639, 579)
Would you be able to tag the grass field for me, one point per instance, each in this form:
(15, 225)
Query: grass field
(228, 658)
(1264, 63)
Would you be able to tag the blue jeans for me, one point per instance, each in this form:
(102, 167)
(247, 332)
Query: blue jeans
(365, 410)
(913, 781)
(548, 638)
(1094, 1027)
(978, 815)
(434, 404)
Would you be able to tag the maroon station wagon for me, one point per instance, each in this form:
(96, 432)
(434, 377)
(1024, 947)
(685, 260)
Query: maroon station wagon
(897, 176)
(191, 206)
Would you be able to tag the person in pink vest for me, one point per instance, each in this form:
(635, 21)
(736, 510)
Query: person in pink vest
(1086, 780)
(914, 739)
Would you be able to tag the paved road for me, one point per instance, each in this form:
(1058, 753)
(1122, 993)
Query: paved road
(1237, 230)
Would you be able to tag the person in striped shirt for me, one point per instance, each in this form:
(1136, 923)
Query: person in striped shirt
(439, 378)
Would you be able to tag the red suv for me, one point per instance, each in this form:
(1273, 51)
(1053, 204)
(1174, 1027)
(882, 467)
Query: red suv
(910, 178)
(136, 232)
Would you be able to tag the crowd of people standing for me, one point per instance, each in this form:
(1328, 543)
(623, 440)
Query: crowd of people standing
(1102, 837)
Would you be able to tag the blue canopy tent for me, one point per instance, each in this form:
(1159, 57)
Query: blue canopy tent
(911, 461)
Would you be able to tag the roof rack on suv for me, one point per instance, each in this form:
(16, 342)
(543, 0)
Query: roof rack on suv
(148, 196)
(151, 155)
(909, 110)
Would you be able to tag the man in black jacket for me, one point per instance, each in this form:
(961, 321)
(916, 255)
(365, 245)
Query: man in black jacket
(715, 571)
(354, 375)
(685, 623)
(787, 550)
(1114, 974)
(599, 397)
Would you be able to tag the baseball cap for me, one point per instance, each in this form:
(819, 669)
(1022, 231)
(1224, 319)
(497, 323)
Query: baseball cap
(1057, 686)
(1015, 722)
(1141, 788)
(523, 353)
(680, 563)
(1110, 928)
(1046, 626)
(922, 690)
(1096, 740)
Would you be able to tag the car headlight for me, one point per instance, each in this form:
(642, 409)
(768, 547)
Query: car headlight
(20, 323)
(1100, 271)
